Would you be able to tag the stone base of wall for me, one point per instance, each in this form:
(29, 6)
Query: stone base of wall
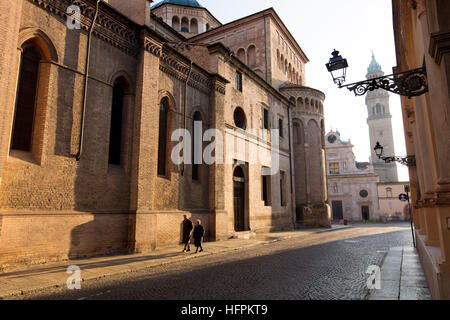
(439, 283)
(39, 237)
(316, 216)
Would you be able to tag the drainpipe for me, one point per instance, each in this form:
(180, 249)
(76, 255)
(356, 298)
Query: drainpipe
(86, 79)
(184, 113)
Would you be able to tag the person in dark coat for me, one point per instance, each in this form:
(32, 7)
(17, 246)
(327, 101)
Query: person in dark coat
(198, 235)
(187, 228)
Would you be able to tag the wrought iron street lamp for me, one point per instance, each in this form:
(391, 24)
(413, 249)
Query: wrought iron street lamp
(409, 161)
(410, 83)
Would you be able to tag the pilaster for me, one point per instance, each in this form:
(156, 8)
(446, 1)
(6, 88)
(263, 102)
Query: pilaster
(142, 227)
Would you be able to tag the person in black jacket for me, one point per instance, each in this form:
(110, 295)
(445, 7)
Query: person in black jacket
(198, 235)
(187, 228)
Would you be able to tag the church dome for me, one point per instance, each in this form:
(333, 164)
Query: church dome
(374, 66)
(185, 3)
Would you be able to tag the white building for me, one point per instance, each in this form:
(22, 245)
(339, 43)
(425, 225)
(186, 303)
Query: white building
(352, 185)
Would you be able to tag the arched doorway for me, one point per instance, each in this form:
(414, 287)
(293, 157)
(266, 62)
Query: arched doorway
(239, 199)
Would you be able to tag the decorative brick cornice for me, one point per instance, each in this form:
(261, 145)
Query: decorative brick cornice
(439, 45)
(152, 47)
(176, 68)
(108, 27)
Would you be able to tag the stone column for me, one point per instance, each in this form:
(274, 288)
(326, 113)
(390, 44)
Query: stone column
(10, 14)
(438, 72)
(142, 226)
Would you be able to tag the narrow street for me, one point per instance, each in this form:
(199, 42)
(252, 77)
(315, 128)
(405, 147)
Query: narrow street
(330, 265)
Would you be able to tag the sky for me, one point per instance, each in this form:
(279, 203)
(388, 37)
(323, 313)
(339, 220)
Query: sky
(355, 28)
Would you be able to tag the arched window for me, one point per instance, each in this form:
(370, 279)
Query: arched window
(388, 192)
(251, 56)
(194, 26)
(286, 67)
(278, 59)
(208, 27)
(26, 99)
(116, 129)
(197, 145)
(239, 118)
(238, 173)
(241, 55)
(176, 23)
(162, 141)
(297, 134)
(184, 24)
(300, 103)
(292, 99)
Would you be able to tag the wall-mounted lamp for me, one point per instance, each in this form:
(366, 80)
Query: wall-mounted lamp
(409, 161)
(410, 83)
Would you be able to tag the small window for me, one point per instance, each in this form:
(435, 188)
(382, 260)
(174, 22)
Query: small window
(196, 144)
(115, 136)
(239, 81)
(334, 168)
(280, 127)
(162, 141)
(282, 188)
(239, 118)
(266, 194)
(265, 119)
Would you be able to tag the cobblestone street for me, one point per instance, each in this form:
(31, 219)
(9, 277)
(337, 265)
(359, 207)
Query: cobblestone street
(330, 265)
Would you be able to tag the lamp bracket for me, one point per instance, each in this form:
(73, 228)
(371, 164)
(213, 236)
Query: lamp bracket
(410, 84)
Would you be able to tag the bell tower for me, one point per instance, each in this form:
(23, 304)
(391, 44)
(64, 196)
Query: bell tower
(380, 126)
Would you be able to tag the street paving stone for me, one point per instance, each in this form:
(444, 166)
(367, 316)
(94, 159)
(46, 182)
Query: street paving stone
(402, 278)
(325, 266)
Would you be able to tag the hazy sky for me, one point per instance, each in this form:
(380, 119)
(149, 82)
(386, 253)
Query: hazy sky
(355, 28)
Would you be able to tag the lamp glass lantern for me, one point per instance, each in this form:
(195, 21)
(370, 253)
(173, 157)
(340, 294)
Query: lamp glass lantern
(378, 150)
(337, 66)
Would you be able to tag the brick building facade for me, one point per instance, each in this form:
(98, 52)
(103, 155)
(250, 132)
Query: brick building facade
(85, 168)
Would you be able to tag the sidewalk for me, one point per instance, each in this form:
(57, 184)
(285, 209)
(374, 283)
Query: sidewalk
(38, 277)
(402, 277)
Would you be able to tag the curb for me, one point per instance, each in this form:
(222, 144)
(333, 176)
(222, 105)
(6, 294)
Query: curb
(335, 229)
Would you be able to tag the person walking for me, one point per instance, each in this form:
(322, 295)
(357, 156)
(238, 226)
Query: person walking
(187, 228)
(198, 235)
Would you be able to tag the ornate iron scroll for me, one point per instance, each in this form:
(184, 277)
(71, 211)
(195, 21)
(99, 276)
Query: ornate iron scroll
(410, 84)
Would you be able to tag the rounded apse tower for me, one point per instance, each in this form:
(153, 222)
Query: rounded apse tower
(309, 155)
